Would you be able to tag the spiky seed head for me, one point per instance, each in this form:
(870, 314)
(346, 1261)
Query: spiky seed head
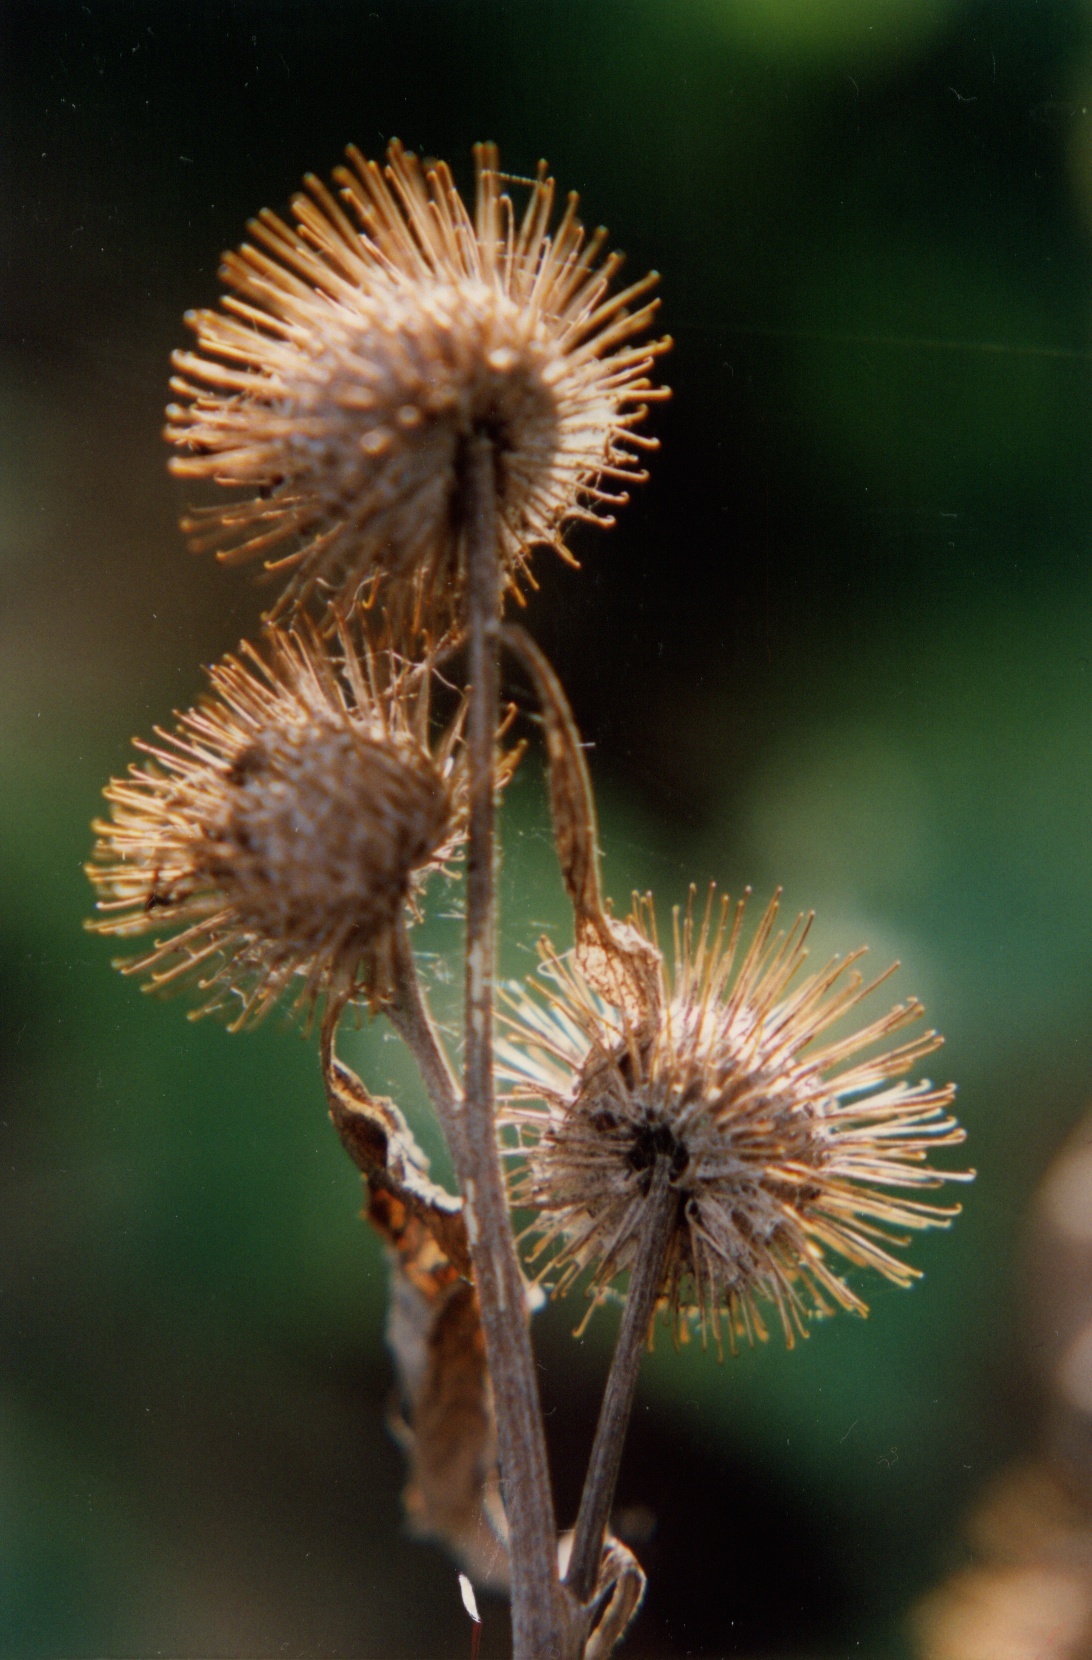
(322, 823)
(362, 348)
(275, 838)
(785, 1152)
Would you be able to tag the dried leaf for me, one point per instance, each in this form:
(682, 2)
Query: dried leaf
(619, 1593)
(382, 1146)
(621, 965)
(448, 1430)
(446, 1423)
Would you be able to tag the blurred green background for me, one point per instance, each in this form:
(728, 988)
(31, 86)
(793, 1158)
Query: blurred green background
(841, 642)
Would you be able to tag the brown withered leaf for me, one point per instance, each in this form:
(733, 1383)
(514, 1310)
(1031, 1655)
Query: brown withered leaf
(445, 1424)
(619, 1592)
(612, 955)
(447, 1427)
(382, 1146)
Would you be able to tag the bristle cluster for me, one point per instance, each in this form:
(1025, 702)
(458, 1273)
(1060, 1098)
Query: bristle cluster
(278, 834)
(785, 1152)
(361, 348)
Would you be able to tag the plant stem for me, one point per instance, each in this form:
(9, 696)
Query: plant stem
(539, 1607)
(411, 1018)
(645, 1280)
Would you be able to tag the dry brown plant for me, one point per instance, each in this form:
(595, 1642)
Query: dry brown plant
(277, 839)
(363, 347)
(780, 1150)
(402, 397)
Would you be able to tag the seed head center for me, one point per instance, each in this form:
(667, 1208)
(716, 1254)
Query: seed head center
(322, 831)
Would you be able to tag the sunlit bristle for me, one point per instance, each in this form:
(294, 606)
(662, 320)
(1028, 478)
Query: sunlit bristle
(276, 840)
(363, 345)
(789, 1149)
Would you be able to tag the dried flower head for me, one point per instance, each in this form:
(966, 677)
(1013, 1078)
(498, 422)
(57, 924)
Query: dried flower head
(280, 832)
(783, 1152)
(363, 347)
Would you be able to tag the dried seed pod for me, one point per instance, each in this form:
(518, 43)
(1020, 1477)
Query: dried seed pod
(783, 1152)
(362, 348)
(279, 834)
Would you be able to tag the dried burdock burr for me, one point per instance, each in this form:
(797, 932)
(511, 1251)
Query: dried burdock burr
(363, 347)
(715, 1150)
(701, 1132)
(786, 1150)
(399, 398)
(275, 840)
(404, 397)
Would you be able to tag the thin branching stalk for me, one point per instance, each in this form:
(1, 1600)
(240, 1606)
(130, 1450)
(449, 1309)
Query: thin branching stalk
(646, 1278)
(411, 1017)
(538, 1604)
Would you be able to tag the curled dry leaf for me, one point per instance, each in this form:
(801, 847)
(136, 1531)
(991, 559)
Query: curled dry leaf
(446, 1424)
(619, 1592)
(382, 1146)
(614, 957)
